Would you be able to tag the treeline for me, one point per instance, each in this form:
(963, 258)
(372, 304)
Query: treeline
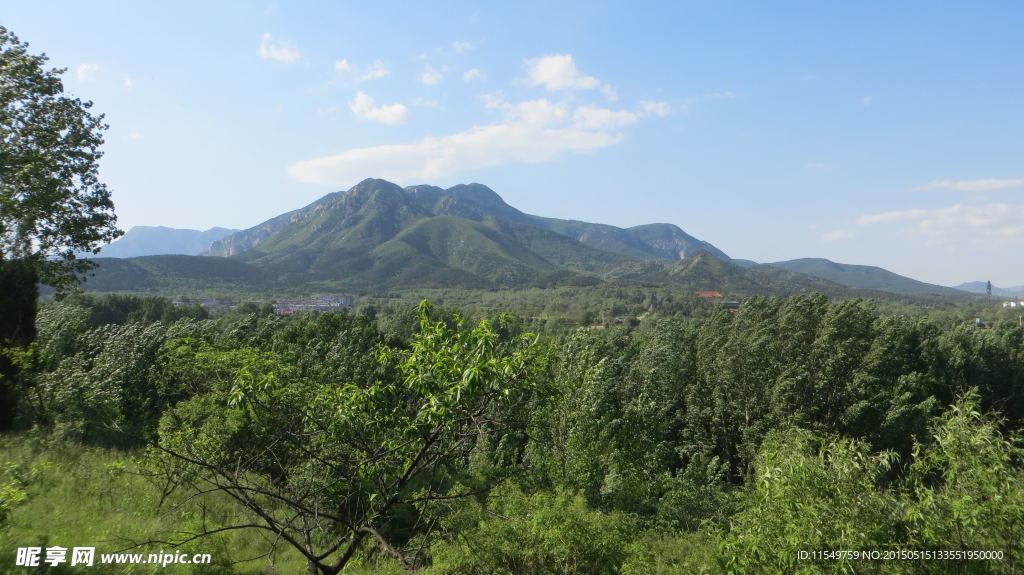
(417, 439)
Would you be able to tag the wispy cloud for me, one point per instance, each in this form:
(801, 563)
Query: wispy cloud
(342, 65)
(867, 100)
(128, 83)
(474, 74)
(277, 50)
(958, 225)
(136, 135)
(659, 109)
(891, 217)
(375, 70)
(423, 103)
(532, 131)
(595, 118)
(973, 186)
(461, 47)
(837, 236)
(431, 76)
(363, 108)
(87, 72)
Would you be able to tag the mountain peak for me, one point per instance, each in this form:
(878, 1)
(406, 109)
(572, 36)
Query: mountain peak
(371, 187)
(477, 193)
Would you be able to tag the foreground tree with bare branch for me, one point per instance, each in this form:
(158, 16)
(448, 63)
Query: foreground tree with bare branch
(328, 467)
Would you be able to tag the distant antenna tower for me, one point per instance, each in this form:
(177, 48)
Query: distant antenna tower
(988, 288)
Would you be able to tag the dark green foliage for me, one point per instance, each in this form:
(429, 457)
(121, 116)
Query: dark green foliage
(715, 440)
(330, 439)
(108, 387)
(966, 489)
(964, 492)
(539, 534)
(665, 422)
(120, 309)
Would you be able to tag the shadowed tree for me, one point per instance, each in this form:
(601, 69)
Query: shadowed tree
(52, 204)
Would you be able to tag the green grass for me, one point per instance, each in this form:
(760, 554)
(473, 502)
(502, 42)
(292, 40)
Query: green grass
(91, 497)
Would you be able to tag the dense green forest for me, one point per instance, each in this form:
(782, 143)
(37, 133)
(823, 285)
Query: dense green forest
(411, 437)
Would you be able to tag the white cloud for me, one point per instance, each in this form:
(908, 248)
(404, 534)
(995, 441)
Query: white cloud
(462, 47)
(431, 76)
(128, 83)
(891, 217)
(474, 74)
(136, 136)
(277, 50)
(342, 65)
(867, 100)
(974, 186)
(659, 109)
(374, 71)
(494, 100)
(609, 93)
(532, 131)
(364, 109)
(986, 225)
(538, 112)
(837, 236)
(593, 118)
(87, 72)
(559, 72)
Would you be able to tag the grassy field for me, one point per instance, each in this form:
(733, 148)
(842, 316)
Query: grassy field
(91, 497)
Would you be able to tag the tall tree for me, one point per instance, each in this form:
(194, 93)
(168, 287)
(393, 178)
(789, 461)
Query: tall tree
(52, 203)
(329, 464)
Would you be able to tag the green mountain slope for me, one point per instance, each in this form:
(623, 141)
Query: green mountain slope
(704, 272)
(172, 272)
(865, 277)
(672, 243)
(378, 234)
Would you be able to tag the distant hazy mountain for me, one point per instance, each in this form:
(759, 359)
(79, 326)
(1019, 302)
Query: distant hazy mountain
(864, 277)
(158, 240)
(980, 288)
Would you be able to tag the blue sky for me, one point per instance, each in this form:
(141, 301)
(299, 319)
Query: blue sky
(880, 133)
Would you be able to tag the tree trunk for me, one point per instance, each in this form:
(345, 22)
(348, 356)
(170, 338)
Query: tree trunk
(18, 296)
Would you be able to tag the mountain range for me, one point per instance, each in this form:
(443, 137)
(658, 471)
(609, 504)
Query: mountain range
(982, 288)
(380, 235)
(160, 240)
